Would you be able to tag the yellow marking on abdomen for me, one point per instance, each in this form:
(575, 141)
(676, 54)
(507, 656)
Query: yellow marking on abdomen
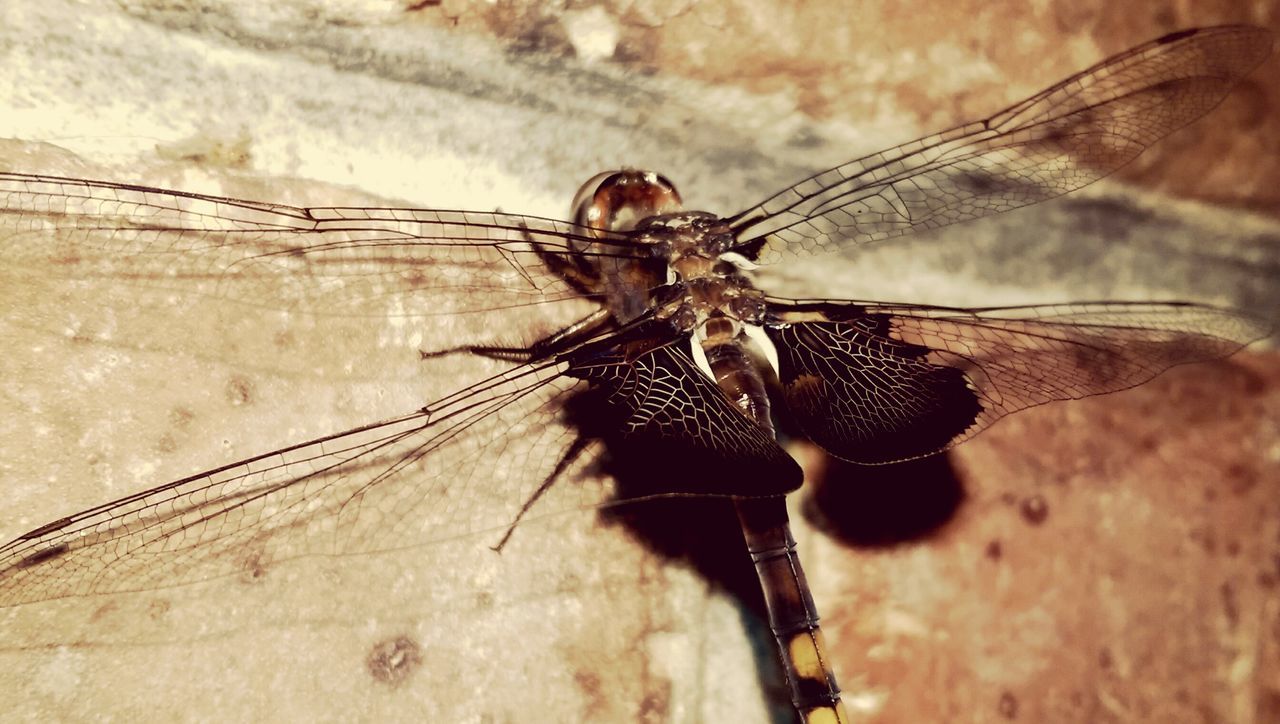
(825, 715)
(807, 652)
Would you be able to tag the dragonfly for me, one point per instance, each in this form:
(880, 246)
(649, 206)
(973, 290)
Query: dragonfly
(649, 352)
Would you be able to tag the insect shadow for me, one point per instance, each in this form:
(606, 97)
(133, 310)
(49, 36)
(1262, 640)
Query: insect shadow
(862, 506)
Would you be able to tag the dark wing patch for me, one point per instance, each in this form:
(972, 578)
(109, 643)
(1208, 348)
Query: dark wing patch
(880, 383)
(669, 428)
(867, 397)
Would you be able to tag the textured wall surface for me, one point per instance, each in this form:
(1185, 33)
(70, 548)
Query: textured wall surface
(1107, 560)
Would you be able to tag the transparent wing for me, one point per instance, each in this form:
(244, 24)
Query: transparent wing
(527, 440)
(876, 383)
(350, 262)
(464, 464)
(1059, 140)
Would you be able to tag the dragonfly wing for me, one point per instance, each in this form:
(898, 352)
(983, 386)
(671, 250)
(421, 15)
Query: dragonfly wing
(1056, 141)
(670, 429)
(878, 383)
(460, 466)
(473, 462)
(349, 262)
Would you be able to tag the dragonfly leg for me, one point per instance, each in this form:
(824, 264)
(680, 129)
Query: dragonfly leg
(572, 267)
(576, 448)
(559, 341)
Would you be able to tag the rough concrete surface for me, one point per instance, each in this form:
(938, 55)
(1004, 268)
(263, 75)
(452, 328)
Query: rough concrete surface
(1113, 559)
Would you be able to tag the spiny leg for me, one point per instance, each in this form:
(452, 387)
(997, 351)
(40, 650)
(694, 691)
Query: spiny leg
(554, 343)
(582, 277)
(576, 448)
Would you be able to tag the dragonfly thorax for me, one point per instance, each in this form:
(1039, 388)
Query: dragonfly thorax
(690, 250)
(688, 276)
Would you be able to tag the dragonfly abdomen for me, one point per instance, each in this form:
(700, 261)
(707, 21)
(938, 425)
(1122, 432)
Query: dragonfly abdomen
(722, 342)
(793, 616)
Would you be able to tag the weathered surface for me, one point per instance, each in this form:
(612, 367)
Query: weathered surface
(1141, 593)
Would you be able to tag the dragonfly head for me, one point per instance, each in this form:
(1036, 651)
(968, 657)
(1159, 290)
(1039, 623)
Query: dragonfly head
(618, 200)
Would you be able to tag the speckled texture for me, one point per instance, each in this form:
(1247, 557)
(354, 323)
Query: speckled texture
(1145, 591)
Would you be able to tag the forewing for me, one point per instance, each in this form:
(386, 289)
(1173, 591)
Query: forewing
(349, 262)
(881, 383)
(463, 465)
(1059, 140)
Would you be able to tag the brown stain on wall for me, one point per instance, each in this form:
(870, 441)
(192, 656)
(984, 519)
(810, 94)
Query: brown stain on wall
(1113, 608)
(392, 661)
